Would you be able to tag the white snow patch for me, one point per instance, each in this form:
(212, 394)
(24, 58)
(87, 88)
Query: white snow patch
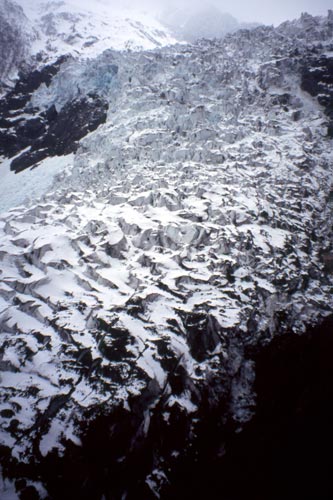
(31, 184)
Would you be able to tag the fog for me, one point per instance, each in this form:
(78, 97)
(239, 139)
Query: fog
(264, 11)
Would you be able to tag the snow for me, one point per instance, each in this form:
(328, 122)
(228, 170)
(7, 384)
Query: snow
(30, 184)
(87, 31)
(152, 367)
(50, 440)
(180, 209)
(184, 402)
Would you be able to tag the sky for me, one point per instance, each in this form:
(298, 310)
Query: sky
(264, 11)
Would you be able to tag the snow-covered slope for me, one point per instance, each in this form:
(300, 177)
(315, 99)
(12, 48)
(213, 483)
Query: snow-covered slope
(50, 29)
(71, 27)
(191, 227)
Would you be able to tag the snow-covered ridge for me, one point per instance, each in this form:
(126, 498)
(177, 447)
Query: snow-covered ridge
(70, 27)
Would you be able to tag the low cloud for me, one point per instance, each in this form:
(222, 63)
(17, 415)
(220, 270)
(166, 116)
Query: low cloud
(263, 11)
(266, 11)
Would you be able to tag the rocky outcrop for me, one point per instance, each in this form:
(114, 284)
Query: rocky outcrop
(56, 134)
(281, 452)
(20, 123)
(45, 132)
(317, 79)
(16, 35)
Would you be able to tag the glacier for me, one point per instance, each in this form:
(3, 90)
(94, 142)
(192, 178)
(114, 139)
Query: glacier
(144, 266)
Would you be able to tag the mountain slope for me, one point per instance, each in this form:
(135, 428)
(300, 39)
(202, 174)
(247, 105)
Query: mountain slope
(191, 228)
(16, 37)
(43, 31)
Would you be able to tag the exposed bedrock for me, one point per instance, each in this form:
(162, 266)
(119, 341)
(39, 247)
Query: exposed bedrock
(317, 79)
(16, 35)
(60, 132)
(39, 133)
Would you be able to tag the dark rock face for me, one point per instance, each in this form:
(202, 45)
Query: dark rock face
(18, 132)
(14, 38)
(317, 80)
(47, 133)
(62, 131)
(281, 453)
(31, 81)
(203, 335)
